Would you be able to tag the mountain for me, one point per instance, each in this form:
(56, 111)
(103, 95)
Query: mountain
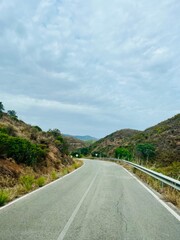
(166, 137)
(74, 143)
(82, 138)
(162, 140)
(108, 144)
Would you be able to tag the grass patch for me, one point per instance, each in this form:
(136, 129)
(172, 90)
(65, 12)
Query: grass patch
(40, 181)
(54, 175)
(4, 197)
(31, 181)
(77, 164)
(65, 170)
(27, 182)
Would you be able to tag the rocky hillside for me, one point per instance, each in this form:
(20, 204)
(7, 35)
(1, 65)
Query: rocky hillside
(166, 138)
(23, 147)
(74, 143)
(163, 140)
(107, 145)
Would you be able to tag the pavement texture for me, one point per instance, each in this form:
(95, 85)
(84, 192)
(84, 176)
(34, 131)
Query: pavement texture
(100, 201)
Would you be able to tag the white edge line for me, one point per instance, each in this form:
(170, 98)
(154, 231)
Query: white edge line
(177, 216)
(40, 188)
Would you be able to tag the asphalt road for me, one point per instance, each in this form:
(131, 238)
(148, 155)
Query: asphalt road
(98, 201)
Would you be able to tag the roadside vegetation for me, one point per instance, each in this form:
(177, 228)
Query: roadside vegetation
(27, 182)
(29, 157)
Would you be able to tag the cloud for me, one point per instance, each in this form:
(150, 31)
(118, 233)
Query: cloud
(111, 62)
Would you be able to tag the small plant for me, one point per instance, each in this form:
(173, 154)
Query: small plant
(37, 128)
(40, 181)
(54, 175)
(3, 197)
(65, 171)
(77, 164)
(27, 182)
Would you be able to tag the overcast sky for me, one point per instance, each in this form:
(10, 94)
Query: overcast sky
(90, 66)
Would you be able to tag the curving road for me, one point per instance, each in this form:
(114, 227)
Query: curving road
(99, 201)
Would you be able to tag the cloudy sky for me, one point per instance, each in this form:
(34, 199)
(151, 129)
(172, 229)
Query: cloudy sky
(90, 66)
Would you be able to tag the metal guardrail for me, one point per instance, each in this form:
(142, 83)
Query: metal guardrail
(161, 177)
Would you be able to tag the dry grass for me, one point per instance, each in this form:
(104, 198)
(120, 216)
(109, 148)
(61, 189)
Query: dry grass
(169, 194)
(15, 188)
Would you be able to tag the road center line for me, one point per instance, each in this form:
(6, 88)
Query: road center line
(68, 224)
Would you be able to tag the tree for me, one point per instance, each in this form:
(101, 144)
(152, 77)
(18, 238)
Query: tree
(60, 142)
(1, 109)
(62, 145)
(12, 114)
(76, 154)
(147, 150)
(55, 132)
(84, 151)
(96, 154)
(122, 152)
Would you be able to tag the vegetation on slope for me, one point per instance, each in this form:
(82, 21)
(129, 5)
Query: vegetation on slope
(29, 157)
(157, 147)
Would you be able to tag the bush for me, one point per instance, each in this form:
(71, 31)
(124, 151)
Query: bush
(40, 181)
(3, 197)
(27, 182)
(12, 114)
(65, 171)
(147, 150)
(62, 145)
(8, 130)
(122, 152)
(37, 128)
(54, 175)
(21, 150)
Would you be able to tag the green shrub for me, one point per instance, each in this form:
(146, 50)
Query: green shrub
(147, 150)
(21, 150)
(27, 182)
(40, 181)
(62, 145)
(75, 165)
(37, 128)
(65, 171)
(3, 197)
(123, 153)
(8, 130)
(54, 175)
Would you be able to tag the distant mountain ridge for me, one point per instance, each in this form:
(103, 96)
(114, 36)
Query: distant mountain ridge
(82, 138)
(74, 143)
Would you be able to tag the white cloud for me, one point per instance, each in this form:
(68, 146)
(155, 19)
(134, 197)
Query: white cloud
(118, 58)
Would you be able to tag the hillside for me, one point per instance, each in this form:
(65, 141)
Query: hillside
(159, 144)
(74, 143)
(26, 149)
(107, 145)
(166, 137)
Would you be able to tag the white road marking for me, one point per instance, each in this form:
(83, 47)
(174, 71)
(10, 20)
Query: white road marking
(39, 189)
(69, 222)
(177, 216)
